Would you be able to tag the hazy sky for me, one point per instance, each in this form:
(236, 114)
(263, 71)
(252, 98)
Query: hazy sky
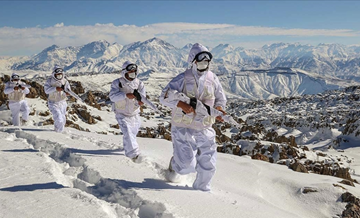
(27, 27)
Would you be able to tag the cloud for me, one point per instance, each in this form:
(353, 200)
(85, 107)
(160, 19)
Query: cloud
(59, 25)
(33, 40)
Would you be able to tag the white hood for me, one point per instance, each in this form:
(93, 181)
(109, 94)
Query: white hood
(53, 72)
(196, 49)
(127, 63)
(14, 74)
(123, 68)
(133, 84)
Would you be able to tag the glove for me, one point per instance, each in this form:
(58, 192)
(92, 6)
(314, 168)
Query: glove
(137, 95)
(193, 102)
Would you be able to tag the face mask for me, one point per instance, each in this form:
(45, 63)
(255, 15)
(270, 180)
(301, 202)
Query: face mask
(202, 66)
(132, 75)
(58, 76)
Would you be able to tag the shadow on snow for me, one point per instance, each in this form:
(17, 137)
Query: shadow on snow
(149, 183)
(33, 187)
(21, 150)
(74, 150)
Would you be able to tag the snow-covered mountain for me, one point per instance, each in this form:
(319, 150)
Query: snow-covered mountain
(153, 53)
(324, 59)
(273, 71)
(7, 62)
(279, 82)
(48, 58)
(101, 56)
(88, 58)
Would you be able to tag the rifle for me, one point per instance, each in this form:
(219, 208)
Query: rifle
(24, 85)
(67, 90)
(143, 99)
(201, 108)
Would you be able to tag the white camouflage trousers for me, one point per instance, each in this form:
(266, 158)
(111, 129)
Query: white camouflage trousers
(58, 110)
(129, 127)
(17, 108)
(195, 151)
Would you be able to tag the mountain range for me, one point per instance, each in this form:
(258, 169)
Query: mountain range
(102, 56)
(280, 69)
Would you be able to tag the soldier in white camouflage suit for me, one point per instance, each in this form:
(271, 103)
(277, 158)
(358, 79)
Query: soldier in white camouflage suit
(192, 135)
(55, 88)
(123, 94)
(16, 91)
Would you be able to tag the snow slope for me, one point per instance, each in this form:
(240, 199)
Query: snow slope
(82, 174)
(279, 82)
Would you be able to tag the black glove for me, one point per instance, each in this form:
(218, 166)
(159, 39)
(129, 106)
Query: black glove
(19, 86)
(137, 95)
(207, 108)
(193, 102)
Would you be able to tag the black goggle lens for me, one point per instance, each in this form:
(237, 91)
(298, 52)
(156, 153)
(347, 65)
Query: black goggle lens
(59, 70)
(131, 67)
(203, 55)
(15, 78)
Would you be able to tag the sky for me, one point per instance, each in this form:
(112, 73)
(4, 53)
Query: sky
(27, 27)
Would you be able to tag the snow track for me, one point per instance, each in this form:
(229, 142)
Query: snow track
(83, 177)
(84, 174)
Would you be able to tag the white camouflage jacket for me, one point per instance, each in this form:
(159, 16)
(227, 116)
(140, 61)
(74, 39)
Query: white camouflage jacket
(122, 104)
(50, 89)
(16, 95)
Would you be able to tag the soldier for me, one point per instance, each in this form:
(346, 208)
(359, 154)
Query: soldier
(55, 87)
(192, 134)
(16, 91)
(124, 95)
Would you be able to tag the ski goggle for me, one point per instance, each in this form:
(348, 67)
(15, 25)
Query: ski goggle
(15, 77)
(131, 67)
(203, 55)
(58, 70)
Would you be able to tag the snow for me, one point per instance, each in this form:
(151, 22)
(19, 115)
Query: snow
(87, 175)
(33, 185)
(269, 84)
